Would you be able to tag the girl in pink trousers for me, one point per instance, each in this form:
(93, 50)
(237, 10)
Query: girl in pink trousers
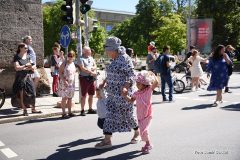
(146, 82)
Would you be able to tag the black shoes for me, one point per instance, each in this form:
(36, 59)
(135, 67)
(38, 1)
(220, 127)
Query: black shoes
(82, 113)
(55, 95)
(90, 111)
(227, 90)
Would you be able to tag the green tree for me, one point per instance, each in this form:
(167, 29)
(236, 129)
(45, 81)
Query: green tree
(52, 23)
(226, 19)
(97, 40)
(152, 16)
(172, 33)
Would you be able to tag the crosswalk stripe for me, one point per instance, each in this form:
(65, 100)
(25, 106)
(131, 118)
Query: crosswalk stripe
(1, 144)
(8, 153)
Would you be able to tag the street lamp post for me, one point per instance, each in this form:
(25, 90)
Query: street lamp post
(79, 38)
(189, 25)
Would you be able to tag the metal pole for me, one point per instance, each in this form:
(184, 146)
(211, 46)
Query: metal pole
(86, 29)
(79, 38)
(189, 25)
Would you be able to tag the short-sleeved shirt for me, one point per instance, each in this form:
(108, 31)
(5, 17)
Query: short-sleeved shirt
(165, 70)
(149, 63)
(144, 103)
(87, 62)
(32, 54)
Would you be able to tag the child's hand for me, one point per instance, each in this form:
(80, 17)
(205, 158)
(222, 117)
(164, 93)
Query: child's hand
(124, 92)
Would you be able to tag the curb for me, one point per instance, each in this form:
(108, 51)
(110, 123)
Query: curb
(34, 117)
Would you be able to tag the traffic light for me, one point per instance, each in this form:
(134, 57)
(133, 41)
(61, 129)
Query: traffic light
(68, 9)
(84, 8)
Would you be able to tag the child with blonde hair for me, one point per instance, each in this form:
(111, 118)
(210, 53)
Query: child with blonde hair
(146, 83)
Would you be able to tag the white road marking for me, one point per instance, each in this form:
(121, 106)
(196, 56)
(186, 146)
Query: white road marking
(8, 153)
(1, 144)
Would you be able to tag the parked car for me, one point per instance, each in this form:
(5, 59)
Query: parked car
(46, 63)
(102, 63)
(139, 64)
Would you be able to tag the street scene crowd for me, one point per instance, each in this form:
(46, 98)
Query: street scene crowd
(122, 87)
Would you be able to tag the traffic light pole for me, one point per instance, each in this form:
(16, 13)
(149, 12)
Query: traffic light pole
(79, 38)
(86, 29)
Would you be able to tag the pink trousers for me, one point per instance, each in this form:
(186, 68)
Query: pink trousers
(143, 127)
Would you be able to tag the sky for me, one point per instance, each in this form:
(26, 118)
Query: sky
(119, 5)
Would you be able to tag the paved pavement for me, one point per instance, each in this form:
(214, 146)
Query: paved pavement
(47, 104)
(188, 129)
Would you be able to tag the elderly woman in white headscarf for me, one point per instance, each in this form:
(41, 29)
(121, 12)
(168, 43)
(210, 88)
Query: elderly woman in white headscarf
(120, 76)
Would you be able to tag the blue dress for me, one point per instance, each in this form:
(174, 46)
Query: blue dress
(219, 74)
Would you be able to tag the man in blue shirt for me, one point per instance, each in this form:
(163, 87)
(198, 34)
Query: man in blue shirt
(31, 53)
(165, 74)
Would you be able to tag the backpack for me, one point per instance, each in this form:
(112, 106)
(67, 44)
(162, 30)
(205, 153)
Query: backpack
(158, 64)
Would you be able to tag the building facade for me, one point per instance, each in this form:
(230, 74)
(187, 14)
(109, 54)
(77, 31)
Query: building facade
(109, 18)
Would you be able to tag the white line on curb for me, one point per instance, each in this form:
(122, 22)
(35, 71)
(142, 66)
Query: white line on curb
(8, 153)
(1, 144)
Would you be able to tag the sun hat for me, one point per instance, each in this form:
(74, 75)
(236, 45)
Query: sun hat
(144, 77)
(112, 44)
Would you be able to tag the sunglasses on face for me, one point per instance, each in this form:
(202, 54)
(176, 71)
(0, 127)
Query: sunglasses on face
(70, 56)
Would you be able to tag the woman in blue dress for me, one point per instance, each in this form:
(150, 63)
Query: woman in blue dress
(120, 76)
(219, 72)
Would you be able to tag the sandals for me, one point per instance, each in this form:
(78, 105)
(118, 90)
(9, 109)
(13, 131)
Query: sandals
(25, 113)
(64, 116)
(103, 145)
(71, 114)
(134, 141)
(214, 104)
(146, 149)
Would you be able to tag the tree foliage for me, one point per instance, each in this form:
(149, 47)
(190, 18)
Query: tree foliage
(52, 23)
(151, 23)
(172, 32)
(226, 19)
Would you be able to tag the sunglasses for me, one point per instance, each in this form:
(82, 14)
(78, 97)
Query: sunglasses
(70, 56)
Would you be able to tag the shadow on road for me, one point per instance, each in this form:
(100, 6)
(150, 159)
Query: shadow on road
(40, 120)
(232, 107)
(206, 95)
(201, 106)
(66, 153)
(235, 87)
(7, 113)
(128, 155)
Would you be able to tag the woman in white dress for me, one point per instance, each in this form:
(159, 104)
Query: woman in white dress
(196, 68)
(67, 84)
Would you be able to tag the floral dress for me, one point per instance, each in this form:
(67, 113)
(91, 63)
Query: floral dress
(119, 116)
(69, 75)
(219, 74)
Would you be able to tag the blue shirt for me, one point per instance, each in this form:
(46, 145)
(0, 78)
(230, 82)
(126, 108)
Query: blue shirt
(32, 54)
(166, 71)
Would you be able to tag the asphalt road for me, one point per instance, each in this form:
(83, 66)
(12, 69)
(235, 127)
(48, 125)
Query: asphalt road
(188, 129)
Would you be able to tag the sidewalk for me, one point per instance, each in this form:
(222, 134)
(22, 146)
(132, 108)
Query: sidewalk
(47, 104)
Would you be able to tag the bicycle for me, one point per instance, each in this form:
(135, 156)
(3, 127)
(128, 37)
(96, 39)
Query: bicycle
(178, 84)
(187, 77)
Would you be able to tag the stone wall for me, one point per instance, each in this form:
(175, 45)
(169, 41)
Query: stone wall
(17, 19)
